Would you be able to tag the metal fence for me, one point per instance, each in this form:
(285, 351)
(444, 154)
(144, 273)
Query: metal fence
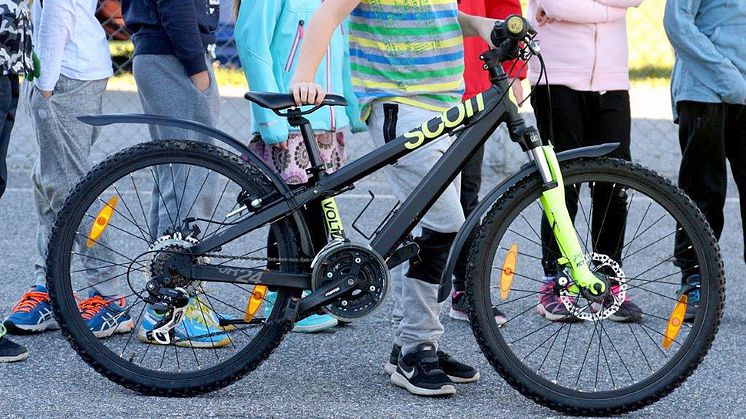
(654, 135)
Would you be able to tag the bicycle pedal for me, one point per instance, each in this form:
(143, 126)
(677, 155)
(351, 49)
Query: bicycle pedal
(403, 254)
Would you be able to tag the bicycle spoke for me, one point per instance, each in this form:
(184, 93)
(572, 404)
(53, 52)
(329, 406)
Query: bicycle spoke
(110, 249)
(603, 219)
(564, 350)
(115, 227)
(142, 208)
(587, 351)
(199, 192)
(645, 214)
(639, 346)
(209, 304)
(653, 243)
(215, 209)
(163, 201)
(139, 317)
(183, 190)
(611, 341)
(124, 202)
(629, 243)
(549, 350)
(173, 189)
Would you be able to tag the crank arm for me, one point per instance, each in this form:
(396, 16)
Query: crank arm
(325, 295)
(245, 276)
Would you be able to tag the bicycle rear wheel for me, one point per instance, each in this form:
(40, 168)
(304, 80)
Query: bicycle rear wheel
(595, 357)
(109, 239)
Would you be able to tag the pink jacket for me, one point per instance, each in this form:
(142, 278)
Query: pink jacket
(585, 47)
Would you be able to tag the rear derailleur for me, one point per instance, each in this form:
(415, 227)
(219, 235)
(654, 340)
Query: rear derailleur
(170, 304)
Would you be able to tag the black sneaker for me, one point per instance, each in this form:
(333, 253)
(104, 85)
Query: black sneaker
(458, 373)
(628, 311)
(460, 309)
(420, 373)
(11, 351)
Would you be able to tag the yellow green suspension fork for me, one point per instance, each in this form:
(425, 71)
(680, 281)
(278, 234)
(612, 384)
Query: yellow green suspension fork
(555, 209)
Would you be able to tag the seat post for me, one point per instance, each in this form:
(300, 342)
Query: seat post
(318, 167)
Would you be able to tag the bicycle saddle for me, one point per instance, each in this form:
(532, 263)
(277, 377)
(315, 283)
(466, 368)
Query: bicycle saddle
(280, 101)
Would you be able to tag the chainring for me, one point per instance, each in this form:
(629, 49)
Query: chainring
(336, 261)
(595, 311)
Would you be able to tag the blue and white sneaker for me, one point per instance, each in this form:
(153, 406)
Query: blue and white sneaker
(691, 288)
(200, 327)
(32, 314)
(312, 324)
(106, 316)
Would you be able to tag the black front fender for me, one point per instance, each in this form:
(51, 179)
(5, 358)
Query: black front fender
(473, 221)
(109, 119)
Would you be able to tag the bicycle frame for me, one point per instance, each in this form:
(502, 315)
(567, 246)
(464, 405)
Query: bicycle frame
(472, 121)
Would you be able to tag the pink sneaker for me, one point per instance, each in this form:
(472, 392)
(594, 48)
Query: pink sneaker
(550, 306)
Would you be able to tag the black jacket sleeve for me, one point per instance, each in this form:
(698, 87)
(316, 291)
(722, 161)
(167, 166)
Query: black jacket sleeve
(179, 21)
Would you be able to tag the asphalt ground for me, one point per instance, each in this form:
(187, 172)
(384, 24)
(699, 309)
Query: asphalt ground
(338, 373)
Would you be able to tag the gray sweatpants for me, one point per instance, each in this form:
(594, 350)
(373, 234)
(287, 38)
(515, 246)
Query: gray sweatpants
(64, 147)
(416, 314)
(165, 89)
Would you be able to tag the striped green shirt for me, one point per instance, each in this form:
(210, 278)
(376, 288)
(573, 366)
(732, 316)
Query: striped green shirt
(407, 51)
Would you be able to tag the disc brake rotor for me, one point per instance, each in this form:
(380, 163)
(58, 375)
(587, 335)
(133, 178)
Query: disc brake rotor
(595, 311)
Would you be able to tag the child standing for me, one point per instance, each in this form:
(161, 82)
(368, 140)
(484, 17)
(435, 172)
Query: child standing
(407, 67)
(708, 88)
(477, 81)
(172, 68)
(75, 67)
(269, 35)
(588, 104)
(15, 58)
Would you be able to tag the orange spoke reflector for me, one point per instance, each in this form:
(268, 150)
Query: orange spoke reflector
(102, 221)
(506, 279)
(252, 306)
(675, 321)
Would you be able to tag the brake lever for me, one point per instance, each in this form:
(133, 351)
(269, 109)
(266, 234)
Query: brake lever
(532, 45)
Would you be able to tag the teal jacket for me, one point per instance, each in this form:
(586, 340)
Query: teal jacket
(268, 35)
(709, 38)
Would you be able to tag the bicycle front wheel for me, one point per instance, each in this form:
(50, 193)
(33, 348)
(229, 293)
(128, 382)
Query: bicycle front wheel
(582, 354)
(110, 239)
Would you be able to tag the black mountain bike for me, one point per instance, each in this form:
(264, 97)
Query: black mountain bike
(190, 232)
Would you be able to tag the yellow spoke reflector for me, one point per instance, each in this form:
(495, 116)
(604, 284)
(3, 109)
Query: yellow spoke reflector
(102, 221)
(252, 306)
(508, 271)
(675, 321)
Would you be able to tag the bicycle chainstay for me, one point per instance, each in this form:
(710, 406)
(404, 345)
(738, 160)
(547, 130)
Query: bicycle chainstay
(258, 258)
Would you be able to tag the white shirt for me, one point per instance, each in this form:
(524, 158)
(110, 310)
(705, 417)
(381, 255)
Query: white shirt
(69, 40)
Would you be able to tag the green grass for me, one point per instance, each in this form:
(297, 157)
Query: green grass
(650, 54)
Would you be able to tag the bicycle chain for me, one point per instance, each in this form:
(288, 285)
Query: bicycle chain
(258, 258)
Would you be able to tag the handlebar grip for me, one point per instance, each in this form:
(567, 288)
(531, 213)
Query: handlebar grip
(514, 27)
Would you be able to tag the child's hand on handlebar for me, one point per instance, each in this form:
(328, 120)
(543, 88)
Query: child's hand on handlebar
(307, 92)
